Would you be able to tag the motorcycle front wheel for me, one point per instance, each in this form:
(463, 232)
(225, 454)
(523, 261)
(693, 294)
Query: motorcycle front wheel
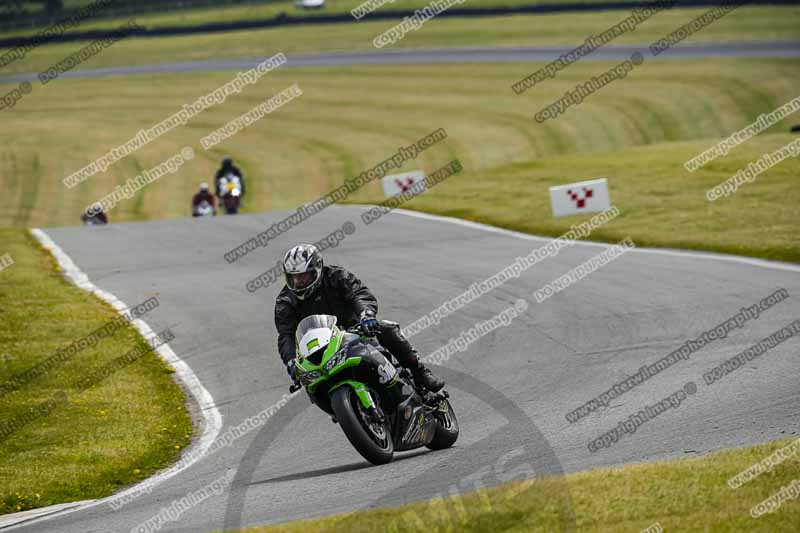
(372, 439)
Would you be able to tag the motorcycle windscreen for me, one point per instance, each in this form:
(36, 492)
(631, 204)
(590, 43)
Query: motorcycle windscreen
(312, 322)
(230, 182)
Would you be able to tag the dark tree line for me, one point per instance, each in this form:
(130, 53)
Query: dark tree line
(51, 7)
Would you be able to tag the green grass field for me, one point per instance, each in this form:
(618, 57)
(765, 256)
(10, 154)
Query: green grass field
(744, 24)
(685, 495)
(661, 204)
(121, 430)
(637, 131)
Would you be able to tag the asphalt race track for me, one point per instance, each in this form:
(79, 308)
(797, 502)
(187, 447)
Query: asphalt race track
(559, 354)
(454, 55)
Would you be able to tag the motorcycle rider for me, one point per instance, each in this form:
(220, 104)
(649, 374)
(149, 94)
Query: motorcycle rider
(227, 168)
(95, 215)
(203, 196)
(313, 288)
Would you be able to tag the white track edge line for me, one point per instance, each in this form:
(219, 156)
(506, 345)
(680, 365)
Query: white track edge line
(184, 372)
(763, 263)
(207, 407)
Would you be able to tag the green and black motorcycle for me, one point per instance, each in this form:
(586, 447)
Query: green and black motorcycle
(375, 401)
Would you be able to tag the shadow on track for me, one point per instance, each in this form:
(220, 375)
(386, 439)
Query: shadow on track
(322, 472)
(519, 443)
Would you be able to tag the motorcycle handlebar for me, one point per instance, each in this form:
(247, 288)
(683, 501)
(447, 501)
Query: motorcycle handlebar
(357, 328)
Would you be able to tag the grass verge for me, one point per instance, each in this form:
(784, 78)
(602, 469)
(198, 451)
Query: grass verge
(661, 204)
(93, 441)
(680, 495)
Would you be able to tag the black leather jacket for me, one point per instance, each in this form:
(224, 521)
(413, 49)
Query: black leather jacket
(340, 294)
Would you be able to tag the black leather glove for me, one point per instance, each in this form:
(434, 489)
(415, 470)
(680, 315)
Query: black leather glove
(369, 325)
(295, 386)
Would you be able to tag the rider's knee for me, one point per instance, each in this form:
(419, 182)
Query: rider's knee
(392, 330)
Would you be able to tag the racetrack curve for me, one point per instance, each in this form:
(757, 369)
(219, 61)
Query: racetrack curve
(436, 56)
(559, 354)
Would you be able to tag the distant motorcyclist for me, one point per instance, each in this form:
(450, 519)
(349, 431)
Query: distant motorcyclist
(313, 289)
(227, 168)
(95, 215)
(203, 196)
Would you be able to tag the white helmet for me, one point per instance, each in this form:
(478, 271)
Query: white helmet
(302, 267)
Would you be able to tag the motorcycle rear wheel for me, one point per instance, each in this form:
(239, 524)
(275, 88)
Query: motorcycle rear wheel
(446, 428)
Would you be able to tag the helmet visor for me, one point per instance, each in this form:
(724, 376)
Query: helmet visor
(300, 281)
